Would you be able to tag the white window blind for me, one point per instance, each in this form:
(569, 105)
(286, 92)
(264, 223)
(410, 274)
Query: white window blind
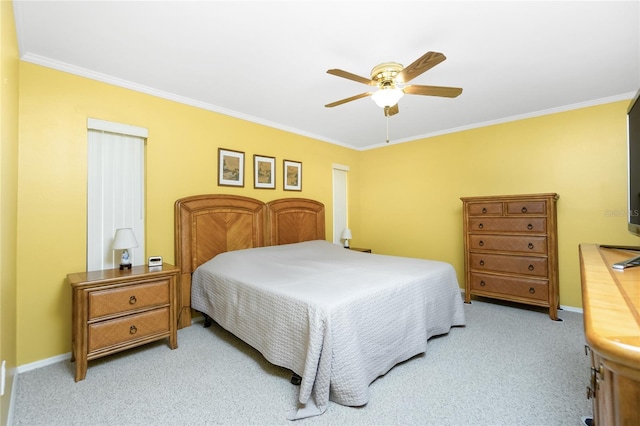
(340, 208)
(115, 191)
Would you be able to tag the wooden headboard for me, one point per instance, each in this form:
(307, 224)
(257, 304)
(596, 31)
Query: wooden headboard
(293, 220)
(207, 225)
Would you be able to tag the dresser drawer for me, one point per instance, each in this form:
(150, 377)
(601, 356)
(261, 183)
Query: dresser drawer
(525, 265)
(518, 287)
(526, 207)
(508, 224)
(510, 243)
(484, 209)
(127, 298)
(127, 329)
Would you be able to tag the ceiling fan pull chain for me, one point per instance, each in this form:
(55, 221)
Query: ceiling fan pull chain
(387, 129)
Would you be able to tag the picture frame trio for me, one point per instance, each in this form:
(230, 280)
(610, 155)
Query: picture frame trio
(231, 171)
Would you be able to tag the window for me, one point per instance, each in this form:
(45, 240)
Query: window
(340, 207)
(115, 191)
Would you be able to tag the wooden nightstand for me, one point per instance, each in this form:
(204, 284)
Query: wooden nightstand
(364, 250)
(114, 310)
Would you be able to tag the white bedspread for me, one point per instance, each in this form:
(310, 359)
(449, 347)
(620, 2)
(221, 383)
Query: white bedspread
(338, 318)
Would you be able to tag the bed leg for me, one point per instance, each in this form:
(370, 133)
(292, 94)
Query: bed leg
(207, 320)
(295, 379)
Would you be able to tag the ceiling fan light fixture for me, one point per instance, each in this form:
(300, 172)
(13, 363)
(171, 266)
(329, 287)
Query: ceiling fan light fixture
(387, 96)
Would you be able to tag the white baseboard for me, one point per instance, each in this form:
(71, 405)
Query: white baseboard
(12, 396)
(54, 359)
(42, 363)
(563, 307)
(571, 309)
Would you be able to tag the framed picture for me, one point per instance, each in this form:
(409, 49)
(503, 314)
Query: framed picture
(230, 167)
(264, 172)
(292, 171)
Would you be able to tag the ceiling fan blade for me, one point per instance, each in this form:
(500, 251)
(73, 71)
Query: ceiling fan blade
(422, 64)
(446, 92)
(392, 110)
(352, 98)
(350, 76)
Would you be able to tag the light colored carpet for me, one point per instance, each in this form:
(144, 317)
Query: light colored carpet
(508, 366)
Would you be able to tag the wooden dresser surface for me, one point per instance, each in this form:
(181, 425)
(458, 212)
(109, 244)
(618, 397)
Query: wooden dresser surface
(611, 303)
(611, 300)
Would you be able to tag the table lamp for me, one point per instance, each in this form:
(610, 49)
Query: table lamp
(124, 240)
(346, 236)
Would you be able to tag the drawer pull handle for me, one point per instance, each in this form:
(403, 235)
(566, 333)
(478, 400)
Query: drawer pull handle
(529, 227)
(132, 300)
(524, 210)
(531, 268)
(482, 283)
(530, 246)
(593, 384)
(481, 243)
(532, 290)
(482, 263)
(480, 226)
(133, 329)
(484, 210)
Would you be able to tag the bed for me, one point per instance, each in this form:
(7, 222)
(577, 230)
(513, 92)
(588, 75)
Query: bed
(337, 318)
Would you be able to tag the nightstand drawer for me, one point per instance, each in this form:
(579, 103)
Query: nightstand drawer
(132, 297)
(129, 328)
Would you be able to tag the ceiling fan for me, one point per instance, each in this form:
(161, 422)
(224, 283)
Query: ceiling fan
(391, 79)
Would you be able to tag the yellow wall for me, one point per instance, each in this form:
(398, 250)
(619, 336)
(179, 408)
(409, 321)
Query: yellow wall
(8, 196)
(410, 197)
(404, 199)
(181, 158)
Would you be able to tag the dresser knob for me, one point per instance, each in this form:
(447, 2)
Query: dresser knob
(481, 243)
(482, 283)
(529, 227)
(531, 268)
(484, 210)
(133, 329)
(480, 226)
(482, 263)
(530, 246)
(524, 210)
(132, 300)
(532, 290)
(594, 385)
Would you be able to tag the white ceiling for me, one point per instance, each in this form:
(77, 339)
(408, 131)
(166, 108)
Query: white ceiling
(266, 61)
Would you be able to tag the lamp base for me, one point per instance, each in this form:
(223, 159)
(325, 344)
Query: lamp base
(125, 266)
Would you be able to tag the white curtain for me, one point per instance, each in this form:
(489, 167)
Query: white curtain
(340, 208)
(115, 191)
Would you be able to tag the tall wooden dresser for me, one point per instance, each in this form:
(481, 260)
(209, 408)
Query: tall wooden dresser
(511, 249)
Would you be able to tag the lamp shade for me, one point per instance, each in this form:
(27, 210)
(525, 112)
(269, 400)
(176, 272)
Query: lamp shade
(387, 96)
(124, 239)
(346, 234)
